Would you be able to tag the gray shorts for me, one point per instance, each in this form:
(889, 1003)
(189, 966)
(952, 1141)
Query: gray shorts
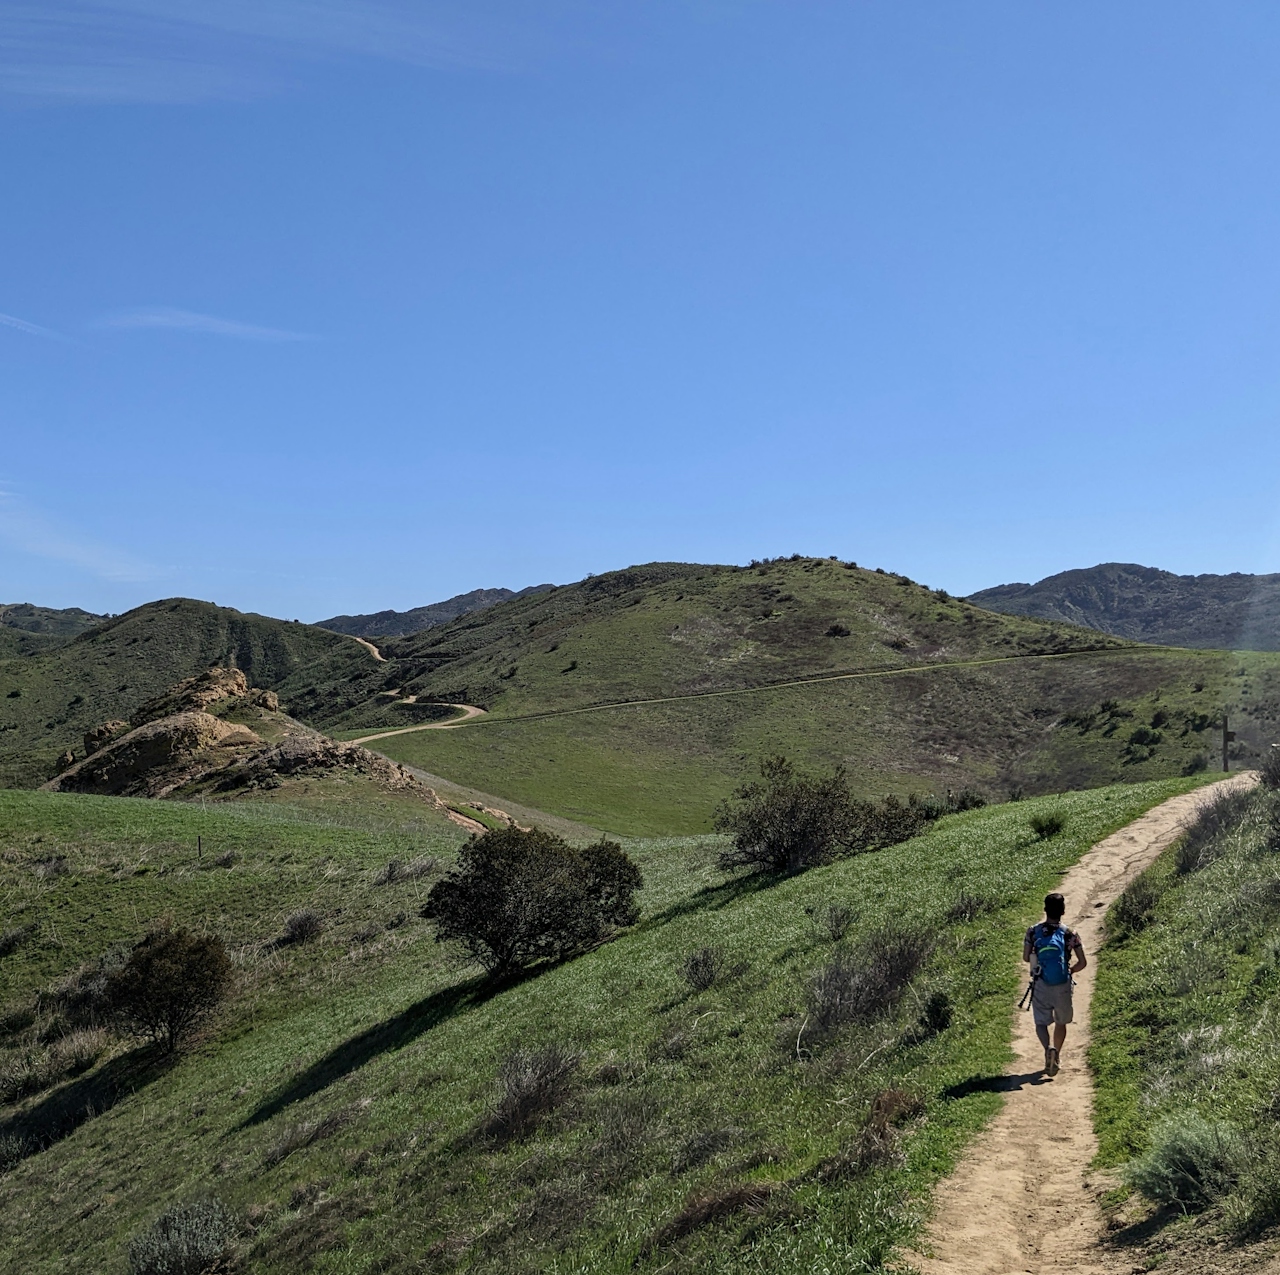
(1051, 1003)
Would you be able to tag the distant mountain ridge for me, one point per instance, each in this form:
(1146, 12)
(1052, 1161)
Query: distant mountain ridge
(67, 623)
(402, 623)
(1215, 612)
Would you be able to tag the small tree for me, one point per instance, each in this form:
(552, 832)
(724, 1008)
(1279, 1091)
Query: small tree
(785, 821)
(516, 897)
(171, 982)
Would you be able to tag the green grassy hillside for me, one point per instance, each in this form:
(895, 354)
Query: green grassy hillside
(337, 1105)
(48, 700)
(939, 693)
(1187, 1051)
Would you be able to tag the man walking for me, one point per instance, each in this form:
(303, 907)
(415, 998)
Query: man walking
(1049, 948)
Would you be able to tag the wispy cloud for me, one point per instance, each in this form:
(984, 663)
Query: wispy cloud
(189, 321)
(190, 50)
(29, 531)
(31, 329)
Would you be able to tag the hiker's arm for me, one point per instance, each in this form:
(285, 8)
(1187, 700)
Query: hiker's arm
(1081, 959)
(1026, 948)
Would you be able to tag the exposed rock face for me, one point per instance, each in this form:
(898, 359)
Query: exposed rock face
(155, 758)
(65, 760)
(102, 735)
(195, 694)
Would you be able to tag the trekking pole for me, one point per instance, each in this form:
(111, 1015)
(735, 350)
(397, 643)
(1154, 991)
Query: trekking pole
(1025, 1002)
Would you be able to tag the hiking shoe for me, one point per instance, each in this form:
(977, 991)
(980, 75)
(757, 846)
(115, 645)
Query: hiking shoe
(1048, 1061)
(1051, 1065)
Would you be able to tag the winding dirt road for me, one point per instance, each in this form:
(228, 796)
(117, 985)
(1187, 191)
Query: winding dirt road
(469, 713)
(1018, 1201)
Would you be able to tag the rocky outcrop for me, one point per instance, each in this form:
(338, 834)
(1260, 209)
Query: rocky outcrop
(102, 735)
(155, 758)
(195, 694)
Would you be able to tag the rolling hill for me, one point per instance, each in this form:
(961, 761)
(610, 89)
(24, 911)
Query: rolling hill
(1222, 612)
(26, 629)
(400, 623)
(49, 699)
(635, 700)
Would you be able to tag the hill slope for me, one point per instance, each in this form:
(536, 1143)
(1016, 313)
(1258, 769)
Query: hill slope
(26, 629)
(338, 1106)
(400, 623)
(48, 700)
(1231, 612)
(940, 693)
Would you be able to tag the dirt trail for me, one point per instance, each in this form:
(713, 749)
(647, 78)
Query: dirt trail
(1005, 1211)
(369, 646)
(469, 712)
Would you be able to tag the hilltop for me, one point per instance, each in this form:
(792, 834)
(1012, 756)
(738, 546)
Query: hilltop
(400, 623)
(1145, 604)
(49, 699)
(637, 699)
(26, 629)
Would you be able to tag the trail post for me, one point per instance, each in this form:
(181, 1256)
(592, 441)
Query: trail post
(1227, 737)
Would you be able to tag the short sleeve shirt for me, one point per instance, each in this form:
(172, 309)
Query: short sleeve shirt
(1074, 946)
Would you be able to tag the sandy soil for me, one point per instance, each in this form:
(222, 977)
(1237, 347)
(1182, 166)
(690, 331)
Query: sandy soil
(1003, 1211)
(373, 650)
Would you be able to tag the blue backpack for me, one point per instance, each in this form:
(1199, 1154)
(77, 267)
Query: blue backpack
(1053, 954)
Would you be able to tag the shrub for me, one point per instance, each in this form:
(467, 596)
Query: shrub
(303, 1135)
(786, 821)
(1191, 1162)
(516, 897)
(858, 987)
(414, 871)
(832, 922)
(302, 927)
(1269, 768)
(12, 940)
(837, 630)
(1135, 908)
(1048, 824)
(936, 1016)
(703, 1208)
(172, 980)
(1197, 764)
(187, 1240)
(702, 968)
(1213, 819)
(14, 1148)
(968, 907)
(965, 799)
(531, 1084)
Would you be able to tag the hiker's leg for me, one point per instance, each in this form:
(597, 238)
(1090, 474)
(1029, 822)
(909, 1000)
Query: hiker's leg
(1042, 1031)
(1059, 1036)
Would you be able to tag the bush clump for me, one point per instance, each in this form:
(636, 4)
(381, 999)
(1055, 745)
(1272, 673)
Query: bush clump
(1214, 818)
(702, 968)
(1135, 909)
(171, 982)
(787, 820)
(515, 898)
(858, 987)
(302, 927)
(1191, 1162)
(1048, 824)
(1269, 768)
(187, 1240)
(531, 1084)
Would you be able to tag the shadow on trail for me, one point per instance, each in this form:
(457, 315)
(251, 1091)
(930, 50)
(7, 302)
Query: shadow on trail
(996, 1084)
(63, 1110)
(382, 1038)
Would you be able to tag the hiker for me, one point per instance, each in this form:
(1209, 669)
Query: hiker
(1048, 948)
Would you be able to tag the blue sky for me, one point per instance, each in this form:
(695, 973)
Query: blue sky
(335, 306)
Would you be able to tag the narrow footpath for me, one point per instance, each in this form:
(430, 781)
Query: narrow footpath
(1019, 1201)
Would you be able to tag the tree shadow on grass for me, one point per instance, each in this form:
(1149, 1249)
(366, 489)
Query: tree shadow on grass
(996, 1084)
(62, 1111)
(711, 898)
(382, 1038)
